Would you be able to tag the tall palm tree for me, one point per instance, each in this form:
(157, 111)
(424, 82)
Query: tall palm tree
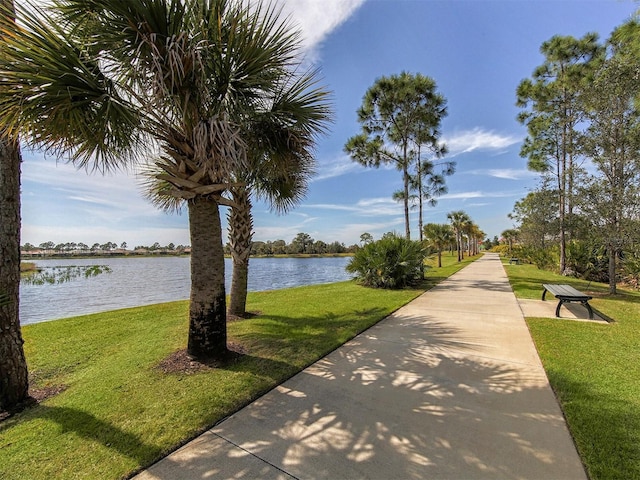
(185, 82)
(438, 236)
(14, 384)
(281, 164)
(459, 220)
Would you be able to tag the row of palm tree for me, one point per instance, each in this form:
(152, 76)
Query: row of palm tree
(207, 97)
(462, 233)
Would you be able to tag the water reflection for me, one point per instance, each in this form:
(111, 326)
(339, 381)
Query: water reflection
(148, 280)
(61, 274)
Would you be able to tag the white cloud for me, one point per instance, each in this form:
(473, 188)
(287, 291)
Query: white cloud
(478, 139)
(477, 194)
(318, 18)
(120, 192)
(336, 167)
(368, 207)
(505, 173)
(62, 204)
(508, 173)
(462, 195)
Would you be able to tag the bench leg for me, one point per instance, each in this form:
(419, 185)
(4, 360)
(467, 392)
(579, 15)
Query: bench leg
(544, 292)
(586, 304)
(558, 309)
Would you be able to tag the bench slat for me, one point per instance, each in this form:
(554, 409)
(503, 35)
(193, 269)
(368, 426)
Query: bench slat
(565, 291)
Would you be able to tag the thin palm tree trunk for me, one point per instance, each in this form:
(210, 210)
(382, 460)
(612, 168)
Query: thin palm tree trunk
(207, 310)
(240, 235)
(14, 384)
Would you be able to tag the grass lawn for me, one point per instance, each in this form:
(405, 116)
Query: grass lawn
(118, 412)
(594, 370)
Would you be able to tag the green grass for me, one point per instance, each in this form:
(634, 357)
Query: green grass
(594, 370)
(119, 413)
(26, 267)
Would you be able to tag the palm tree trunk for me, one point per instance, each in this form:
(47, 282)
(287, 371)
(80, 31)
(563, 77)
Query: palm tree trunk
(207, 310)
(14, 382)
(240, 235)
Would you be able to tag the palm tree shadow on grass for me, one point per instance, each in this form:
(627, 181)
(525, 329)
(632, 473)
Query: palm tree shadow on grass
(90, 427)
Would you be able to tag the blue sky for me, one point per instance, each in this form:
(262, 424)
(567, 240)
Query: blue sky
(477, 52)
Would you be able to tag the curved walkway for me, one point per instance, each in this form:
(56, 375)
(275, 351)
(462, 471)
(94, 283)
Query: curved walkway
(449, 386)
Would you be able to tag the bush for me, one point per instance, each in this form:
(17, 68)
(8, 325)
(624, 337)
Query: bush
(543, 258)
(503, 250)
(589, 259)
(631, 269)
(392, 262)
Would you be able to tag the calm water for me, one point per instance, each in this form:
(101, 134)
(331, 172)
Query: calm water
(144, 281)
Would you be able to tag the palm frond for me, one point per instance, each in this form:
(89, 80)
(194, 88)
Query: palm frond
(159, 192)
(58, 97)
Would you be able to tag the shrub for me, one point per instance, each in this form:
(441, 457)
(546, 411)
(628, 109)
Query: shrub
(503, 250)
(631, 269)
(543, 258)
(392, 262)
(588, 259)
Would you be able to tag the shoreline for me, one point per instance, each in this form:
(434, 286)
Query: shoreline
(26, 259)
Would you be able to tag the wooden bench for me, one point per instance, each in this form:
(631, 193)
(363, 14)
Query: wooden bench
(514, 260)
(567, 294)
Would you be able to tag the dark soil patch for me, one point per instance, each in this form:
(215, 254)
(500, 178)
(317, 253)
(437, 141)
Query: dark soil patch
(181, 362)
(36, 395)
(246, 316)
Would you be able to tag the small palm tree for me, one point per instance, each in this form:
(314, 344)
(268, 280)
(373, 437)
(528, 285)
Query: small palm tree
(439, 237)
(391, 262)
(186, 84)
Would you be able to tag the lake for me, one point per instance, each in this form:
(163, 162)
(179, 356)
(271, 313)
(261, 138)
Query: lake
(148, 280)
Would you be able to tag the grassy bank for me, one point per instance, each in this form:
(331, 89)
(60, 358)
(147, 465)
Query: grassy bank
(118, 411)
(594, 370)
(27, 267)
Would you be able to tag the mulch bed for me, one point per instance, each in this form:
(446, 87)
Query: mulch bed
(181, 362)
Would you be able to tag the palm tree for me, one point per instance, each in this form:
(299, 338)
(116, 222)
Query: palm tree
(459, 220)
(477, 236)
(281, 164)
(510, 236)
(439, 236)
(14, 384)
(186, 83)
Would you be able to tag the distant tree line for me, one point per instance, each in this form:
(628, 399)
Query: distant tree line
(303, 243)
(83, 248)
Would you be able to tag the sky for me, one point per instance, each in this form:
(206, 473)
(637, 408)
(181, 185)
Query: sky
(477, 52)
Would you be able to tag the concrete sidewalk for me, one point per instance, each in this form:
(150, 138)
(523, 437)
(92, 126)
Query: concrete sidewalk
(448, 387)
